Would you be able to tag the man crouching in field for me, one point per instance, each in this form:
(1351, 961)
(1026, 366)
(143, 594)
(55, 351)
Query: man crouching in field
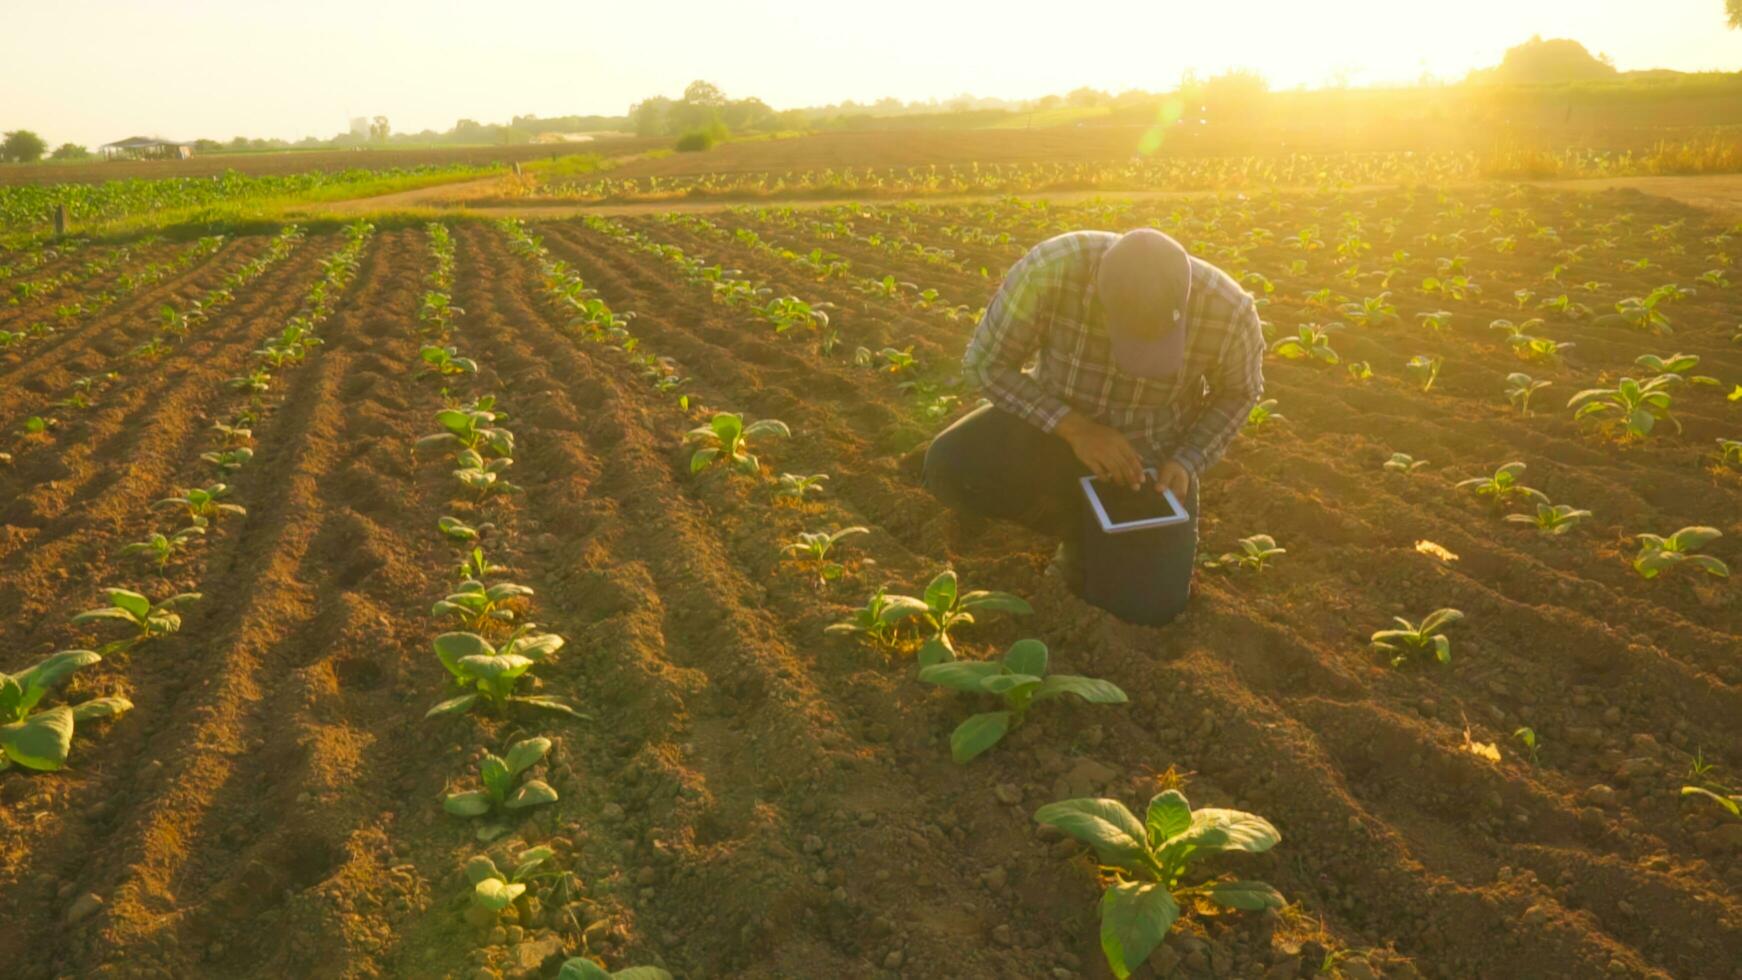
(1144, 358)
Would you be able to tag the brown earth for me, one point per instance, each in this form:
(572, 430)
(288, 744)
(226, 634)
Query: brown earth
(751, 798)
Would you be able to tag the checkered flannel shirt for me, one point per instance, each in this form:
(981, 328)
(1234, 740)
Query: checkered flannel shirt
(1041, 352)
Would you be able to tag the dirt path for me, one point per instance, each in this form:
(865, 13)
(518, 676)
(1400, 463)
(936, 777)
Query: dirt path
(1720, 193)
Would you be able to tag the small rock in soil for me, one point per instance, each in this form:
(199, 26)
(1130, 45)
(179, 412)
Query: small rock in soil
(1600, 795)
(529, 957)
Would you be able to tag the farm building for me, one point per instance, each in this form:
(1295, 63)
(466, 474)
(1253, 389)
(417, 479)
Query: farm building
(146, 148)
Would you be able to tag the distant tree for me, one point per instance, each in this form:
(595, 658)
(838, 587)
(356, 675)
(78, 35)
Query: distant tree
(649, 116)
(379, 130)
(1540, 62)
(207, 146)
(704, 93)
(70, 151)
(22, 146)
(1085, 98)
(1734, 9)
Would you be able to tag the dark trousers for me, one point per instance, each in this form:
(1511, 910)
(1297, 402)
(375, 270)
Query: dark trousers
(993, 464)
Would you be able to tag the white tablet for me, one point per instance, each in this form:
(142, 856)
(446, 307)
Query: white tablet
(1120, 509)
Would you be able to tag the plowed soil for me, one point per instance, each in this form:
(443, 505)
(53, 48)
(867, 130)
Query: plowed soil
(750, 797)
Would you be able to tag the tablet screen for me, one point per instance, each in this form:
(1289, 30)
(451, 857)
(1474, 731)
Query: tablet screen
(1124, 506)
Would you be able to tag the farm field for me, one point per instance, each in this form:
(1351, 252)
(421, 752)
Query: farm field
(344, 412)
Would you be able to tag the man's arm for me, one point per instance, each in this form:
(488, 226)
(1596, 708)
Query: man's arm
(1012, 329)
(1236, 383)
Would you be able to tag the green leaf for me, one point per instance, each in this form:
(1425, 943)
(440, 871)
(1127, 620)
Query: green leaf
(978, 734)
(996, 602)
(50, 673)
(577, 968)
(496, 894)
(1106, 825)
(940, 593)
(533, 792)
(1168, 816)
(453, 706)
(451, 648)
(494, 773)
(1090, 689)
(1135, 918)
(41, 741)
(549, 704)
(1238, 830)
(1006, 683)
(471, 803)
(97, 708)
(526, 752)
(1026, 657)
(1250, 896)
(962, 675)
(91, 615)
(534, 648)
(935, 650)
(481, 867)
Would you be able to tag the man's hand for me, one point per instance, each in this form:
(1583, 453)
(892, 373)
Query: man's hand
(1106, 452)
(1175, 477)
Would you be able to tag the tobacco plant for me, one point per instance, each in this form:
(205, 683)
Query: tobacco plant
(1410, 638)
(148, 619)
(1262, 414)
(40, 740)
(446, 361)
(159, 548)
(1404, 463)
(1659, 554)
(1021, 680)
(503, 789)
(1553, 519)
(228, 460)
(473, 429)
(1310, 343)
(1144, 865)
(1633, 406)
(869, 621)
(815, 546)
(204, 504)
(456, 529)
(488, 673)
(1519, 388)
(495, 890)
(478, 607)
(943, 607)
(483, 476)
(1504, 485)
(1425, 369)
(726, 439)
(795, 486)
(1254, 555)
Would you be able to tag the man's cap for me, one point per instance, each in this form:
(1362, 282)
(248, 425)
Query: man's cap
(1144, 283)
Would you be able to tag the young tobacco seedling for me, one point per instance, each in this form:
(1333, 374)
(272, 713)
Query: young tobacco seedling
(1144, 864)
(1504, 485)
(1263, 414)
(795, 486)
(1254, 554)
(1409, 638)
(489, 674)
(1551, 520)
(477, 606)
(1021, 680)
(1639, 405)
(1659, 554)
(1311, 343)
(499, 774)
(494, 890)
(41, 739)
(456, 529)
(1676, 364)
(474, 430)
(726, 439)
(1519, 388)
(204, 504)
(1531, 744)
(149, 619)
(579, 968)
(483, 477)
(446, 361)
(229, 460)
(1404, 463)
(476, 566)
(1729, 801)
(1425, 369)
(944, 607)
(815, 546)
(1730, 450)
(868, 621)
(160, 548)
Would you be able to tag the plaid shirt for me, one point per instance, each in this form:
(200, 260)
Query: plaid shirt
(1047, 312)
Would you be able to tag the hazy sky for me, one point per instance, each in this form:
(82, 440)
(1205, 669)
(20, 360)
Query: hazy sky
(92, 71)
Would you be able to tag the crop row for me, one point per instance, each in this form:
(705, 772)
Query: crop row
(40, 738)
